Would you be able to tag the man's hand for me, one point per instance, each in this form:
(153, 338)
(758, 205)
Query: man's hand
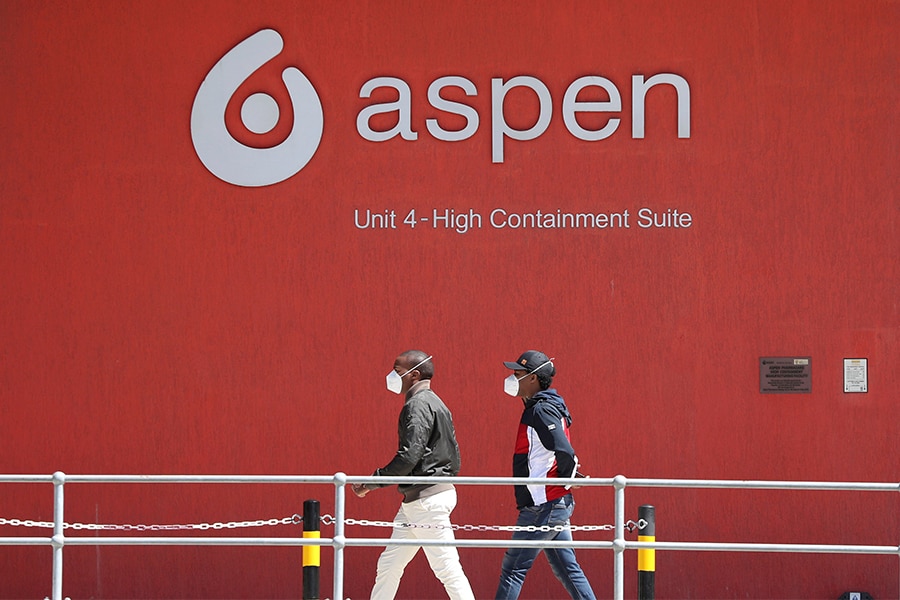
(359, 489)
(580, 476)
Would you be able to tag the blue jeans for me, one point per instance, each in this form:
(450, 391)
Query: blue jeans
(562, 561)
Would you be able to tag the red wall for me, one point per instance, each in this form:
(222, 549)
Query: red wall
(157, 319)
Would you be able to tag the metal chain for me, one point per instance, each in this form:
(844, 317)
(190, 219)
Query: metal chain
(629, 525)
(292, 520)
(325, 519)
(25, 523)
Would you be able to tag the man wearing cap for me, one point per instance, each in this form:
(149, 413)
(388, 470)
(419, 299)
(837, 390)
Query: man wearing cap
(427, 447)
(543, 450)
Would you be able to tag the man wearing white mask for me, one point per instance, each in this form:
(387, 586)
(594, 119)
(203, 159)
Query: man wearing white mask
(543, 450)
(427, 447)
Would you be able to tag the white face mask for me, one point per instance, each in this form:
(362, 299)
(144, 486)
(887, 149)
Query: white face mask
(511, 383)
(395, 381)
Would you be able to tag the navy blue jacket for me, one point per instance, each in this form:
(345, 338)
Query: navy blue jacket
(543, 448)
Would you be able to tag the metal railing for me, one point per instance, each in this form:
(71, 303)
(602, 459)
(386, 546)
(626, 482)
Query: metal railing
(339, 541)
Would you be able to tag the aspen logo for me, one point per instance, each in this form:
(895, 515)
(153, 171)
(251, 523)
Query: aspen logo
(237, 163)
(227, 158)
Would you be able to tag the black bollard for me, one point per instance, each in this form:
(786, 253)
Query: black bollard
(647, 558)
(311, 554)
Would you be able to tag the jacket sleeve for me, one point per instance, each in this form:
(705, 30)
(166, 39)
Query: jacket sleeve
(551, 428)
(414, 430)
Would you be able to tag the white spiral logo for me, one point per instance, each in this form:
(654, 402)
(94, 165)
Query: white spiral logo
(227, 158)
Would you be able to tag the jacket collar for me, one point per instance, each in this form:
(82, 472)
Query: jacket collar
(424, 384)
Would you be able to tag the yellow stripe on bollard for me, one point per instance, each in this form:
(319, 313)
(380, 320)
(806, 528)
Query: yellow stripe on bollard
(647, 558)
(312, 554)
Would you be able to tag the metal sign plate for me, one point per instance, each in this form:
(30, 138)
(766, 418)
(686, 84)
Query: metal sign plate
(785, 375)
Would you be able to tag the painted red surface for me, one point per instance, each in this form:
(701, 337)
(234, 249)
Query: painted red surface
(155, 319)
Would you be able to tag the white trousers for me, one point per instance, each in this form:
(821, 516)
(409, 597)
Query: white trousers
(444, 560)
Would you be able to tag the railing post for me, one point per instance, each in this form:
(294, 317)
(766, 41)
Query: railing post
(311, 554)
(619, 483)
(58, 539)
(647, 558)
(340, 491)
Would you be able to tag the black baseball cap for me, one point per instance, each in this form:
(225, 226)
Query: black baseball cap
(529, 361)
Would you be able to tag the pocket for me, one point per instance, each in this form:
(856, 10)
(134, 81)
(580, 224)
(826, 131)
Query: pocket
(560, 514)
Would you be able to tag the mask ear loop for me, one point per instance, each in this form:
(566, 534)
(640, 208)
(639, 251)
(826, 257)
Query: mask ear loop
(422, 363)
(549, 362)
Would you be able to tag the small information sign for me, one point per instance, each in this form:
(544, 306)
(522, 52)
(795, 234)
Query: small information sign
(856, 375)
(785, 375)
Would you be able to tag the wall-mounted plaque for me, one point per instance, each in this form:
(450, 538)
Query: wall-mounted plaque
(785, 375)
(856, 375)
